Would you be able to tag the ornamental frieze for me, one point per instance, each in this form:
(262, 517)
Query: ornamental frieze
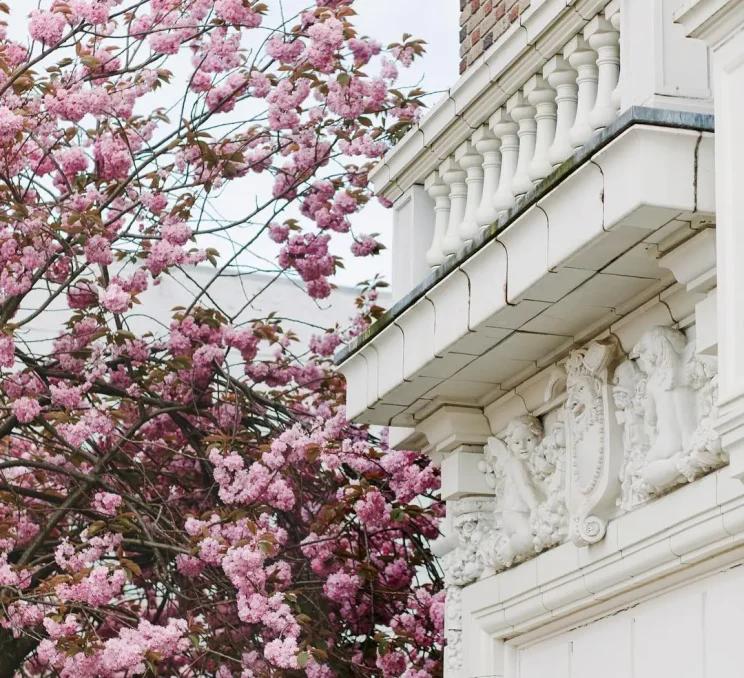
(627, 428)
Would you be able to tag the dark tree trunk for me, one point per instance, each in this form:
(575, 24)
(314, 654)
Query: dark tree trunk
(13, 651)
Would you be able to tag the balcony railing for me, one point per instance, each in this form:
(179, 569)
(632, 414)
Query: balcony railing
(536, 98)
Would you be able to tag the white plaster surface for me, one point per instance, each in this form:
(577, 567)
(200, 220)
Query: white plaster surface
(690, 632)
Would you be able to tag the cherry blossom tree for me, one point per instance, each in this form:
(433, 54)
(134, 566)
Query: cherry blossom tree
(185, 497)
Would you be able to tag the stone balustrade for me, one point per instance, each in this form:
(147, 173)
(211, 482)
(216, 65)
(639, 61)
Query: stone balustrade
(543, 93)
(555, 112)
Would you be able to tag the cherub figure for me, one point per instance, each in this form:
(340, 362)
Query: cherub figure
(519, 496)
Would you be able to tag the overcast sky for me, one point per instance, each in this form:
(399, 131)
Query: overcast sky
(437, 22)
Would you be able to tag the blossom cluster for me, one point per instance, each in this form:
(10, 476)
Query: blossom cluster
(184, 496)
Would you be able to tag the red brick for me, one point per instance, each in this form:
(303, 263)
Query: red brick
(488, 7)
(475, 37)
(499, 11)
(463, 66)
(474, 5)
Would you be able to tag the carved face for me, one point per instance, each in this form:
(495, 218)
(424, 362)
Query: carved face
(523, 441)
(645, 356)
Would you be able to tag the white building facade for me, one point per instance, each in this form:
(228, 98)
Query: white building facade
(567, 340)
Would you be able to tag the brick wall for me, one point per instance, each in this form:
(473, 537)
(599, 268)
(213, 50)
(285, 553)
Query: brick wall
(482, 22)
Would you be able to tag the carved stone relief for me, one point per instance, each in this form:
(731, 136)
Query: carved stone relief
(472, 522)
(594, 440)
(627, 429)
(669, 429)
(526, 470)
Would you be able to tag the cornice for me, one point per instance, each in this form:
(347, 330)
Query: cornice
(633, 116)
(713, 21)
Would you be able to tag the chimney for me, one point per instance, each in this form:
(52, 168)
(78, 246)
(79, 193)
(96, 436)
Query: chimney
(481, 24)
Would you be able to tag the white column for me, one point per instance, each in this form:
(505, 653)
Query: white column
(454, 177)
(524, 115)
(720, 23)
(542, 96)
(470, 160)
(439, 193)
(584, 60)
(488, 146)
(562, 78)
(505, 130)
(605, 41)
(612, 14)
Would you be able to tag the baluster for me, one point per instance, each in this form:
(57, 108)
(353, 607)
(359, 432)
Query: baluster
(542, 96)
(488, 146)
(470, 160)
(562, 78)
(505, 129)
(605, 41)
(454, 177)
(439, 192)
(612, 13)
(524, 115)
(584, 60)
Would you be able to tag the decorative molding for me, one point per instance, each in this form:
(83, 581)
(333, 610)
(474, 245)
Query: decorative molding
(713, 21)
(471, 519)
(687, 533)
(593, 440)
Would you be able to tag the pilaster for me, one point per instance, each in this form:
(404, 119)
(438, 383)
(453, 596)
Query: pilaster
(720, 24)
(661, 68)
(413, 231)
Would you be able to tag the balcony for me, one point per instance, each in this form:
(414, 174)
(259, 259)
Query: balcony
(540, 95)
(531, 206)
